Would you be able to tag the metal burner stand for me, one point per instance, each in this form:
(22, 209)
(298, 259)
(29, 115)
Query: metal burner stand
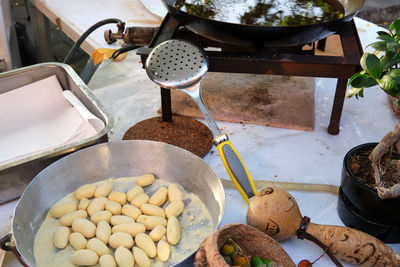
(286, 61)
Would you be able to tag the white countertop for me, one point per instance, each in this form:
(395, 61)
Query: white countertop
(269, 153)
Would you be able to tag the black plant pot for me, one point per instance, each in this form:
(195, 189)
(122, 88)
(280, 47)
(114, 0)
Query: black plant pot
(360, 207)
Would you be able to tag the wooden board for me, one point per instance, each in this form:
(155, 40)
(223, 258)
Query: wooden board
(74, 17)
(279, 101)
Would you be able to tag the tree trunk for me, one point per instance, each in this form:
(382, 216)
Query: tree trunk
(388, 141)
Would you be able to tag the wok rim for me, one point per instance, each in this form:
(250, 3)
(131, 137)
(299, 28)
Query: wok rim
(174, 11)
(258, 35)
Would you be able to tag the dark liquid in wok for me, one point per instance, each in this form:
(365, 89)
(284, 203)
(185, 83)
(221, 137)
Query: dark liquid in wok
(264, 12)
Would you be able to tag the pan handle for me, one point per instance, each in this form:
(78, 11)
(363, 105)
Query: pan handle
(237, 171)
(6, 244)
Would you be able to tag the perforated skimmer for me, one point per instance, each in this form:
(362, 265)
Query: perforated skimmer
(176, 64)
(179, 64)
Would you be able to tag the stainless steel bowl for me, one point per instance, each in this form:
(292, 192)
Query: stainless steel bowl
(116, 159)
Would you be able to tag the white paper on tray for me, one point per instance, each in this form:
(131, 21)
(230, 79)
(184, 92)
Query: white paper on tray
(37, 117)
(95, 122)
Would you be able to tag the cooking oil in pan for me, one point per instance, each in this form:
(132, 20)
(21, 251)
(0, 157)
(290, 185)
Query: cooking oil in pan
(264, 12)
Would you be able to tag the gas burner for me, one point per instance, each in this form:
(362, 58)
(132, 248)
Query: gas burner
(293, 61)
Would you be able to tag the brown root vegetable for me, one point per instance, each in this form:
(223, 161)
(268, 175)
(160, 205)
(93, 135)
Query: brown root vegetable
(275, 212)
(354, 246)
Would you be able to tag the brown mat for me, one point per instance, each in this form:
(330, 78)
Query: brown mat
(279, 101)
(184, 132)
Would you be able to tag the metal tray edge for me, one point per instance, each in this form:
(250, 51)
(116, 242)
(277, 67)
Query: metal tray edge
(73, 146)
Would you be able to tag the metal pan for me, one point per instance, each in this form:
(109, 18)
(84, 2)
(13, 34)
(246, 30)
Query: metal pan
(116, 159)
(266, 36)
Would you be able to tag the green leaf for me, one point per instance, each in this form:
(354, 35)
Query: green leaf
(390, 82)
(393, 46)
(387, 38)
(380, 46)
(396, 59)
(362, 81)
(354, 92)
(389, 60)
(395, 74)
(395, 26)
(380, 53)
(355, 76)
(370, 63)
(382, 33)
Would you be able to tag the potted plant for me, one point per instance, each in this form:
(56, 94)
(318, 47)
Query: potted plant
(369, 197)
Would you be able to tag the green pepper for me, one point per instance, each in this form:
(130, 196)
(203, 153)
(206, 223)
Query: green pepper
(265, 261)
(256, 262)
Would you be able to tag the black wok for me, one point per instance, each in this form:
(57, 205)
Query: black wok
(266, 36)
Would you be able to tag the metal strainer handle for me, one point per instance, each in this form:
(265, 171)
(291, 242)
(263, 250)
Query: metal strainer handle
(181, 65)
(195, 93)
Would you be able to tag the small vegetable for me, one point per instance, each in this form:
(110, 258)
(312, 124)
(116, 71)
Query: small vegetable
(240, 260)
(256, 262)
(235, 256)
(266, 261)
(228, 260)
(261, 262)
(227, 249)
(304, 263)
